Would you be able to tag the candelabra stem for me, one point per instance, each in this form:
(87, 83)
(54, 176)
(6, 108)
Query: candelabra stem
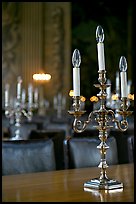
(102, 182)
(17, 135)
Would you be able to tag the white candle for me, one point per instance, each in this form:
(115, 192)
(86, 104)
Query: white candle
(64, 101)
(76, 81)
(55, 101)
(76, 60)
(6, 95)
(123, 76)
(108, 89)
(11, 101)
(23, 96)
(100, 47)
(101, 60)
(59, 98)
(124, 90)
(36, 95)
(19, 87)
(117, 82)
(30, 94)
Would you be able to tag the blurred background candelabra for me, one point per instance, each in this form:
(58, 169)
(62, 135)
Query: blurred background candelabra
(105, 118)
(113, 100)
(59, 102)
(17, 107)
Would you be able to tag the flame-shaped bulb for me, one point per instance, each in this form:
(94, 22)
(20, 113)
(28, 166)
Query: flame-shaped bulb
(76, 58)
(123, 64)
(99, 34)
(123, 76)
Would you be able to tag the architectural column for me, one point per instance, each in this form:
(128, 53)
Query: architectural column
(32, 40)
(57, 50)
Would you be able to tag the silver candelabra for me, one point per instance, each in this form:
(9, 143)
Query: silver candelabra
(102, 116)
(19, 107)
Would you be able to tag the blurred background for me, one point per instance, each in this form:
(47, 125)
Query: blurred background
(38, 40)
(117, 21)
(40, 37)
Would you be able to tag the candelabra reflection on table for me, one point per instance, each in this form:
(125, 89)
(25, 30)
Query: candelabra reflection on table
(104, 117)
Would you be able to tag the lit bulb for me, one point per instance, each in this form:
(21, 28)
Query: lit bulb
(76, 58)
(99, 34)
(123, 76)
(19, 79)
(123, 64)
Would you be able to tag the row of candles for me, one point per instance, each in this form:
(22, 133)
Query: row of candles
(59, 100)
(76, 60)
(21, 93)
(20, 107)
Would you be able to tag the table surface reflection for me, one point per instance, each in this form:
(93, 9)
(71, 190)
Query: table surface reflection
(67, 186)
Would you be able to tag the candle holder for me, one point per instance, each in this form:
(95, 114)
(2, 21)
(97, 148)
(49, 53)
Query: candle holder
(104, 118)
(18, 109)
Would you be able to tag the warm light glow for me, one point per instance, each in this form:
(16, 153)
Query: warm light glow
(42, 77)
(131, 96)
(71, 93)
(94, 99)
(83, 99)
(115, 97)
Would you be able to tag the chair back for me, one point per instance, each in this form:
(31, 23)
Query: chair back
(57, 137)
(25, 130)
(83, 152)
(130, 142)
(27, 156)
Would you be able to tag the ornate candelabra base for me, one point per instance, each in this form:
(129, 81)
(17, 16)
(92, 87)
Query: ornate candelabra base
(17, 135)
(106, 184)
(16, 138)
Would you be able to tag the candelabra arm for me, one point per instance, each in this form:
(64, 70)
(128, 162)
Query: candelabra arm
(9, 113)
(78, 123)
(122, 123)
(79, 126)
(91, 114)
(28, 114)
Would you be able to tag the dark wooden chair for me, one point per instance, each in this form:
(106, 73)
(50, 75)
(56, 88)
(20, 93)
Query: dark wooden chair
(27, 156)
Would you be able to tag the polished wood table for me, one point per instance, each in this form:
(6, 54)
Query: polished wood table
(67, 185)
